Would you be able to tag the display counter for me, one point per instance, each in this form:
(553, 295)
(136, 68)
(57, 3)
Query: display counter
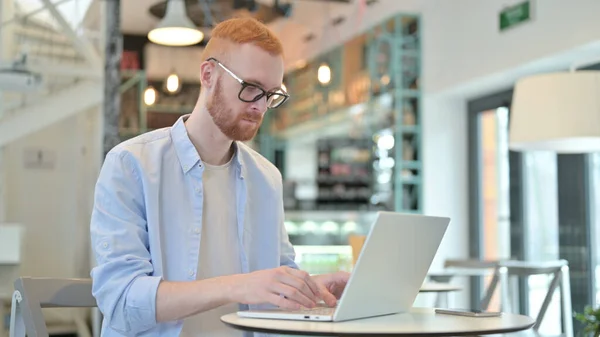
(322, 238)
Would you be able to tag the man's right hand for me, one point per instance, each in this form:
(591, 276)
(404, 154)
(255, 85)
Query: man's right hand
(285, 287)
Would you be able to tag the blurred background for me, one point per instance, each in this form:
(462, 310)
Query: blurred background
(396, 105)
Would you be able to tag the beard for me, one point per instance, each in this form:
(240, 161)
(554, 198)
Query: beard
(234, 127)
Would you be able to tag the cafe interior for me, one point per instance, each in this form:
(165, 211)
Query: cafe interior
(485, 112)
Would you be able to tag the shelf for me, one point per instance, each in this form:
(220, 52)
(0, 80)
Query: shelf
(388, 106)
(411, 165)
(346, 180)
(170, 109)
(410, 129)
(340, 216)
(338, 122)
(410, 93)
(410, 52)
(411, 180)
(308, 249)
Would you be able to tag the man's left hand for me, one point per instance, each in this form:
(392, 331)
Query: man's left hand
(331, 286)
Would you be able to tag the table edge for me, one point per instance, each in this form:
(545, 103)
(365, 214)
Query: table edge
(437, 334)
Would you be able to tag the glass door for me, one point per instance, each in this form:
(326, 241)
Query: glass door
(494, 185)
(541, 232)
(514, 201)
(595, 212)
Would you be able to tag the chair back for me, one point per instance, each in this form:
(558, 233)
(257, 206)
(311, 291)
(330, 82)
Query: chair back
(33, 294)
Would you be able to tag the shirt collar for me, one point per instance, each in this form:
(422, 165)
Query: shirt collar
(186, 151)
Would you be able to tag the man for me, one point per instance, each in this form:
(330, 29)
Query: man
(188, 221)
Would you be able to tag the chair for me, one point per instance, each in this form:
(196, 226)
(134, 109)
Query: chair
(469, 268)
(11, 243)
(33, 294)
(560, 272)
(503, 270)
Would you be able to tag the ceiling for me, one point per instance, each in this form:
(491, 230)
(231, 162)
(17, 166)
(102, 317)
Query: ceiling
(73, 11)
(308, 17)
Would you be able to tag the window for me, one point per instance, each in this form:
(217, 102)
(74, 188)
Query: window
(595, 201)
(515, 207)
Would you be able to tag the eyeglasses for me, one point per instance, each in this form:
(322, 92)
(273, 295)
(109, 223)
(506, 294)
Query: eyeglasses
(251, 92)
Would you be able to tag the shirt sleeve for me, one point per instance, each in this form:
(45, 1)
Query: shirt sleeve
(288, 254)
(123, 285)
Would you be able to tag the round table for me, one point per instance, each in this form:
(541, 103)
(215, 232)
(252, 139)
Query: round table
(419, 321)
(442, 290)
(434, 287)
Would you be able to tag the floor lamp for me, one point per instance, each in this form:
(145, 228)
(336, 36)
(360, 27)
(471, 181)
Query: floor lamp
(557, 112)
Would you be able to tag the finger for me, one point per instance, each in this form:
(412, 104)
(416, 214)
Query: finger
(293, 295)
(282, 302)
(328, 297)
(305, 277)
(298, 283)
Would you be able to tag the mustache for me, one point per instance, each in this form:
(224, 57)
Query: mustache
(252, 117)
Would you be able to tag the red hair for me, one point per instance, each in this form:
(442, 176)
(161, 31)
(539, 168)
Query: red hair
(239, 31)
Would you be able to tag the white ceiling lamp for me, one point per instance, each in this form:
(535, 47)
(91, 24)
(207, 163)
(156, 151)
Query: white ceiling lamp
(557, 112)
(176, 28)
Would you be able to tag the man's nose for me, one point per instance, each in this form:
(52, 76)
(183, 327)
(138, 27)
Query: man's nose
(260, 106)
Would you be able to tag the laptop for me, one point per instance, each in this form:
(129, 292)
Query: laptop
(388, 274)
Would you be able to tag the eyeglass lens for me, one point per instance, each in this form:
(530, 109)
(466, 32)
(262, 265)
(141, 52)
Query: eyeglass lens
(251, 93)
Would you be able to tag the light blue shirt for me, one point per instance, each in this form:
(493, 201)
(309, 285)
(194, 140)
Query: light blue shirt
(147, 222)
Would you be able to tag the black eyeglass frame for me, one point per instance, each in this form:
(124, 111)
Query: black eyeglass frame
(245, 84)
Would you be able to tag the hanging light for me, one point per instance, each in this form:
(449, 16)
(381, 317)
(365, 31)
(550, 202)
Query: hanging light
(176, 28)
(150, 96)
(173, 83)
(324, 74)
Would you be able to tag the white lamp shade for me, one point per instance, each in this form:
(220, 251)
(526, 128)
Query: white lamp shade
(175, 29)
(557, 112)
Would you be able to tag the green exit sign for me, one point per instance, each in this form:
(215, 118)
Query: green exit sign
(515, 15)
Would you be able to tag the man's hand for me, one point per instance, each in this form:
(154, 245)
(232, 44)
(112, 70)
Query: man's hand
(285, 287)
(331, 286)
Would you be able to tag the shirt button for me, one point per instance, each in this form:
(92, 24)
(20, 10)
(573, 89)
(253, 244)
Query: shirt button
(185, 168)
(191, 272)
(197, 230)
(105, 245)
(197, 190)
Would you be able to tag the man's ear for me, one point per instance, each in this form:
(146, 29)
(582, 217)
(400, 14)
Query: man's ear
(207, 74)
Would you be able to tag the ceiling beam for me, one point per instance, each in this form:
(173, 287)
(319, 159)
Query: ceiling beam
(83, 45)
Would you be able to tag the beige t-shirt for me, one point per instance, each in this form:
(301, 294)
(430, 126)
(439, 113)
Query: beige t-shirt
(219, 248)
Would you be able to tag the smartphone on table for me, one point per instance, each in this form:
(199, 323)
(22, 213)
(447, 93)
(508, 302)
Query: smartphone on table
(469, 312)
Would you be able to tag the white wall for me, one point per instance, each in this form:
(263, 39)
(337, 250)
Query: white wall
(6, 9)
(445, 178)
(445, 174)
(463, 43)
(54, 203)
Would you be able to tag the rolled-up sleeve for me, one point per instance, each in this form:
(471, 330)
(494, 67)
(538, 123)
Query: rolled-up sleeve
(287, 255)
(123, 282)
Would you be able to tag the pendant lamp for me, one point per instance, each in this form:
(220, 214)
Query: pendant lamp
(176, 28)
